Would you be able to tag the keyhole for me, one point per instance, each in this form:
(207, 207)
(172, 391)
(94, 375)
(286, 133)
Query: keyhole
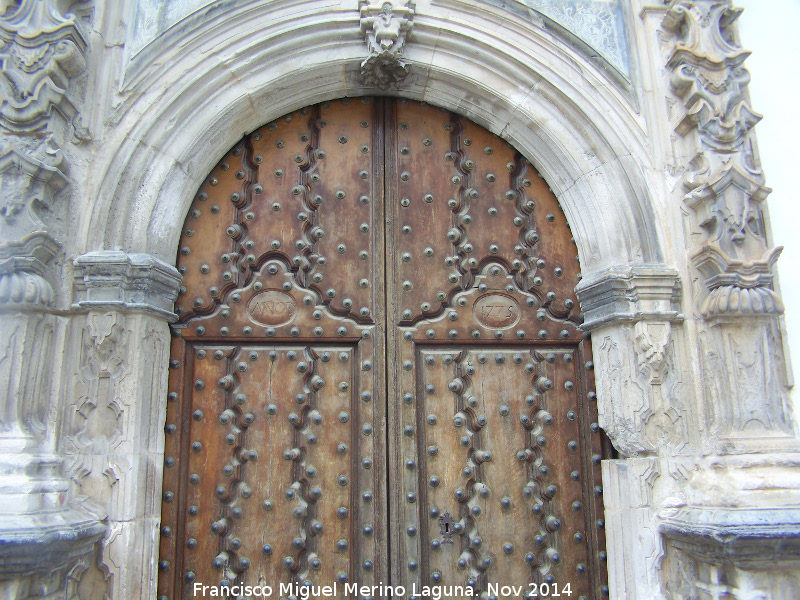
(447, 528)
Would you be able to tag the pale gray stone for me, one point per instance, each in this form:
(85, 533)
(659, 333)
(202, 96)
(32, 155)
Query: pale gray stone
(126, 283)
(655, 166)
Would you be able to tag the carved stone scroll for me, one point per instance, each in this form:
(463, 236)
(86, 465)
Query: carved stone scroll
(724, 183)
(385, 24)
(41, 49)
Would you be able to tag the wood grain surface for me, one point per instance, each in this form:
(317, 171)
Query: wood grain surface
(378, 374)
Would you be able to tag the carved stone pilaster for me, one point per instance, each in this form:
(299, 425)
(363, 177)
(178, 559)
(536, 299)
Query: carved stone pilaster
(724, 183)
(41, 50)
(385, 24)
(630, 311)
(745, 406)
(116, 405)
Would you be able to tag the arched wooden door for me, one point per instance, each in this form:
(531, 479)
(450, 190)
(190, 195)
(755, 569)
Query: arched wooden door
(378, 376)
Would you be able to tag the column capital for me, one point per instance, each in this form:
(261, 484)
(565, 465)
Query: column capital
(114, 280)
(628, 294)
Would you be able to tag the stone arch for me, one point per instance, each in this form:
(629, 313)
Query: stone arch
(196, 89)
(190, 95)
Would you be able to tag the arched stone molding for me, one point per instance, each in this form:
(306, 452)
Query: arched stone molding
(188, 97)
(210, 81)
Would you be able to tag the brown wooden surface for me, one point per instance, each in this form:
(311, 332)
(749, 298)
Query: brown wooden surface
(378, 327)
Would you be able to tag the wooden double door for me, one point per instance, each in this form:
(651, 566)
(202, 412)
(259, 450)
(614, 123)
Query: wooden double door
(378, 377)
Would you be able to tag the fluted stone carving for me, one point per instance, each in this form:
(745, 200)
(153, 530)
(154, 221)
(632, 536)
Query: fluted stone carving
(724, 183)
(385, 24)
(22, 267)
(41, 535)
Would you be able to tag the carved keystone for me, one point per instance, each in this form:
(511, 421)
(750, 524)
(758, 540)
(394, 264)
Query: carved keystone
(386, 25)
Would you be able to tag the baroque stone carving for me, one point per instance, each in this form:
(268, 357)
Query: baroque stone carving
(385, 24)
(630, 294)
(40, 534)
(646, 414)
(25, 298)
(652, 341)
(41, 50)
(102, 365)
(747, 401)
(724, 183)
(615, 381)
(110, 280)
(22, 266)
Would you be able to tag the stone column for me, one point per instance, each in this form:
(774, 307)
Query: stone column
(632, 313)
(43, 536)
(731, 529)
(115, 408)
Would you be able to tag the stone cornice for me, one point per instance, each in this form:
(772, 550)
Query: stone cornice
(627, 294)
(113, 280)
(746, 537)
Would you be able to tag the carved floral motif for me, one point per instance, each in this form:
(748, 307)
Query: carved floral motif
(41, 50)
(724, 183)
(385, 24)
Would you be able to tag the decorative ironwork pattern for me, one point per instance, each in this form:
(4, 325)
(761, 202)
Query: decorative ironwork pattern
(323, 243)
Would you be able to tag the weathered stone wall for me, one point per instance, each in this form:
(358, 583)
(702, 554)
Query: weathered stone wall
(104, 145)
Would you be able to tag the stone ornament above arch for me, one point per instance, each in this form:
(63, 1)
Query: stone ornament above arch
(385, 26)
(596, 27)
(233, 72)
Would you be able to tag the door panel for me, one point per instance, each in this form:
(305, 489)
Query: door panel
(378, 342)
(275, 446)
(285, 466)
(489, 373)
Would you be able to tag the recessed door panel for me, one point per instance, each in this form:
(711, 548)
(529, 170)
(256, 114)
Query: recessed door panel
(378, 374)
(490, 373)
